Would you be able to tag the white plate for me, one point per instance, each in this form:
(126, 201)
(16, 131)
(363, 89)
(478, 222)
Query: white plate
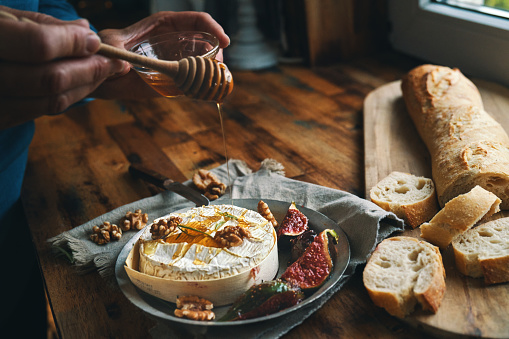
(163, 310)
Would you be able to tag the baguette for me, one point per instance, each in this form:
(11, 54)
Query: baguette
(467, 146)
(403, 271)
(411, 198)
(459, 215)
(483, 251)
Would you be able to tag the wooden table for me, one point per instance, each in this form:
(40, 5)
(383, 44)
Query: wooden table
(309, 120)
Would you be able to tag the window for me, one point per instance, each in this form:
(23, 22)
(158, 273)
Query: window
(455, 33)
(498, 8)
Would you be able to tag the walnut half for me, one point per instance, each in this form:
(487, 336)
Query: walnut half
(209, 184)
(231, 236)
(164, 227)
(104, 233)
(194, 308)
(265, 212)
(136, 220)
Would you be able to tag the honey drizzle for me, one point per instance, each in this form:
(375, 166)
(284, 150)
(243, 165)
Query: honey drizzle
(220, 111)
(193, 237)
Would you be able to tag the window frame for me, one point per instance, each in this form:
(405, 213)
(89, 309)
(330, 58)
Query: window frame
(476, 43)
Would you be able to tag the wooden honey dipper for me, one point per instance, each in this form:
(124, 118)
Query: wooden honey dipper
(197, 77)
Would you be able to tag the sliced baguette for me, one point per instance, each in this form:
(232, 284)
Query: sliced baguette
(459, 215)
(410, 197)
(483, 251)
(403, 271)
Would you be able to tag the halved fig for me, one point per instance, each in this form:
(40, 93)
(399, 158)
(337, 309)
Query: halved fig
(300, 243)
(314, 267)
(294, 223)
(263, 299)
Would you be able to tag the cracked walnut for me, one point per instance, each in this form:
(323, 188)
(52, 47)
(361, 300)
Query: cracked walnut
(209, 184)
(231, 236)
(164, 227)
(194, 308)
(104, 233)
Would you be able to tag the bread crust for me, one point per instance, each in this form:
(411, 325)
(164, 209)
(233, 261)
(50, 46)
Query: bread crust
(495, 270)
(413, 211)
(484, 252)
(430, 299)
(422, 281)
(460, 214)
(467, 146)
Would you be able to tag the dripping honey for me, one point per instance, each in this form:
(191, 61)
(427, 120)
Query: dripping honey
(220, 111)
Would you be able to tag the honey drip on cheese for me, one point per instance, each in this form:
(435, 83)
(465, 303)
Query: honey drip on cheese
(149, 247)
(187, 236)
(193, 237)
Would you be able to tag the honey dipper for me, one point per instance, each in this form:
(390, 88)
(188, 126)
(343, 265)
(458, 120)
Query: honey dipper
(197, 77)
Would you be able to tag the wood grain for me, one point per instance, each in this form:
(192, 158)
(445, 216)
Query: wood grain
(308, 119)
(469, 307)
(344, 29)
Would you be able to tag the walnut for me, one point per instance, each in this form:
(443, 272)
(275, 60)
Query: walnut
(265, 212)
(231, 236)
(136, 220)
(163, 227)
(194, 308)
(209, 184)
(105, 233)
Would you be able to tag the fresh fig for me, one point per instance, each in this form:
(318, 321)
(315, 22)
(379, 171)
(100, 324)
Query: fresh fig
(300, 244)
(293, 224)
(263, 299)
(313, 268)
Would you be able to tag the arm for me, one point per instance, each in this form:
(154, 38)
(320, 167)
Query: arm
(47, 66)
(51, 65)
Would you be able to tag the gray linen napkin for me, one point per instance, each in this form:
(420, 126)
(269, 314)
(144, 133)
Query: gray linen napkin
(364, 223)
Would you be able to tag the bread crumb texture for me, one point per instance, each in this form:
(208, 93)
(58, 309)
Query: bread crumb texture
(412, 198)
(459, 215)
(483, 251)
(403, 272)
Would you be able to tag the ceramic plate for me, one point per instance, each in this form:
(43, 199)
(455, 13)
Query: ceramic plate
(163, 310)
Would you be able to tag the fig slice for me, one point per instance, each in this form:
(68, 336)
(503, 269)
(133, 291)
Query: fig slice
(263, 299)
(293, 224)
(314, 266)
(300, 243)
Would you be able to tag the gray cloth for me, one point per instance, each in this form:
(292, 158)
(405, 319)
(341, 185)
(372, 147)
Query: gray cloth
(364, 223)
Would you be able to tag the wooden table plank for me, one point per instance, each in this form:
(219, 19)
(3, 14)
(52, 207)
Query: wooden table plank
(309, 120)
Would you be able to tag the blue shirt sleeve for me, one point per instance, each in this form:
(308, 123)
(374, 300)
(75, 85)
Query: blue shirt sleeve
(60, 9)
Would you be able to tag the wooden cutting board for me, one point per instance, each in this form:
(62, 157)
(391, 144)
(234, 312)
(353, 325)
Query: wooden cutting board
(469, 307)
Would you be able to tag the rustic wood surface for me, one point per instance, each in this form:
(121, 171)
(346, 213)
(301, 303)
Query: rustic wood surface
(392, 143)
(309, 120)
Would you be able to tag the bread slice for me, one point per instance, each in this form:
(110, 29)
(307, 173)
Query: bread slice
(483, 251)
(404, 271)
(459, 215)
(410, 197)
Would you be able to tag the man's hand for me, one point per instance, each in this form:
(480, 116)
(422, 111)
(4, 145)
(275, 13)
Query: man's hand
(46, 65)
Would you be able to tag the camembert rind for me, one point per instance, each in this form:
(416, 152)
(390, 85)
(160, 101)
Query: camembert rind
(219, 291)
(204, 260)
(256, 260)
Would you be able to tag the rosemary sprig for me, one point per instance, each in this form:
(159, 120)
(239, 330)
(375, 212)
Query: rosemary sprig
(192, 229)
(228, 215)
(219, 224)
(66, 254)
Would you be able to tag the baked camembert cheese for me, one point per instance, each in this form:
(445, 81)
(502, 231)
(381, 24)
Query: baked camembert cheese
(192, 251)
